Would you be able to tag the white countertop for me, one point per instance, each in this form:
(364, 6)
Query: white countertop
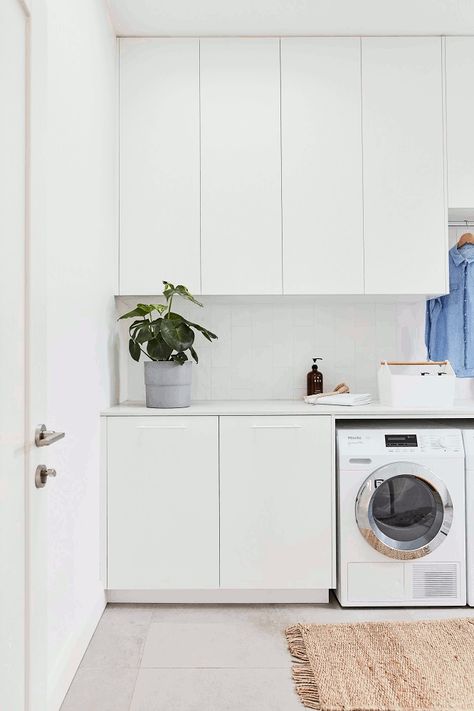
(461, 409)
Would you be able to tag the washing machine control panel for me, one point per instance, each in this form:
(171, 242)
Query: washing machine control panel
(401, 440)
(359, 443)
(447, 441)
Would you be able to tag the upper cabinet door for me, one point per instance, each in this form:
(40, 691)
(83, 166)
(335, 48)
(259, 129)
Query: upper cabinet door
(405, 206)
(240, 166)
(322, 166)
(159, 164)
(460, 110)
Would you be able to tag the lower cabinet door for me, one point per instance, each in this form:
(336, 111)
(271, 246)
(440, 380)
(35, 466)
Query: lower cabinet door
(163, 508)
(276, 502)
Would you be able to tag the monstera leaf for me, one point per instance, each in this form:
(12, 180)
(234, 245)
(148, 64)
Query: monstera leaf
(144, 310)
(158, 349)
(177, 334)
(171, 290)
(134, 350)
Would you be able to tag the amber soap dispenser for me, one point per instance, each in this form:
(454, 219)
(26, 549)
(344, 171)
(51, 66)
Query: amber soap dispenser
(314, 379)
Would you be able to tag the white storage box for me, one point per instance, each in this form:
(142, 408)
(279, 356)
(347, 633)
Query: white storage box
(426, 384)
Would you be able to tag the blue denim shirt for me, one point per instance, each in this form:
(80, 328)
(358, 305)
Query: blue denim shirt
(449, 333)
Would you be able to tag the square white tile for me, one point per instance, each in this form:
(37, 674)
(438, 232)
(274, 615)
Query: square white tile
(101, 690)
(217, 645)
(119, 638)
(214, 690)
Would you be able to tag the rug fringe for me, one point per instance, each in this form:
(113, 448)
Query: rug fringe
(303, 677)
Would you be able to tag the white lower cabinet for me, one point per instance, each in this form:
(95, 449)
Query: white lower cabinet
(163, 509)
(246, 504)
(276, 496)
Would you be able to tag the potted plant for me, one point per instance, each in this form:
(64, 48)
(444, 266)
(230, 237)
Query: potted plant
(165, 337)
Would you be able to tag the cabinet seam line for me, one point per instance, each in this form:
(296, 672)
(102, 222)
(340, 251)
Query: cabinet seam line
(219, 496)
(444, 113)
(200, 165)
(364, 285)
(107, 503)
(119, 163)
(282, 251)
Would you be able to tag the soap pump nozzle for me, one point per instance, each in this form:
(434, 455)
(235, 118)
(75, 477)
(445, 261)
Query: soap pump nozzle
(315, 365)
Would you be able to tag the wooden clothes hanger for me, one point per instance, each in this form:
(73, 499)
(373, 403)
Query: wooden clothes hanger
(466, 238)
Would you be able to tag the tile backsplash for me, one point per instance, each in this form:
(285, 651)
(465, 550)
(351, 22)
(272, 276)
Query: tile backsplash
(265, 347)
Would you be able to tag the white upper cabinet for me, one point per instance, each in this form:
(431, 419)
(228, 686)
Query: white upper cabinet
(322, 166)
(159, 164)
(460, 110)
(297, 166)
(240, 167)
(405, 202)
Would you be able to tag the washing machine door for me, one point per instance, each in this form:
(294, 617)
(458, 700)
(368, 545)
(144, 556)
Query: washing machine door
(403, 510)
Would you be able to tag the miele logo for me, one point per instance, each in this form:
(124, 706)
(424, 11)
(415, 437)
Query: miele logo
(354, 437)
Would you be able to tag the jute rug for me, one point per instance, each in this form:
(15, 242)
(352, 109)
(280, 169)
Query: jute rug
(385, 666)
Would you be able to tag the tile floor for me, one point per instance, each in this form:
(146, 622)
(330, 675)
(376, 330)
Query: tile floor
(203, 657)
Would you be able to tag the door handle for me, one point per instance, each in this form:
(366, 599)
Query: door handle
(44, 437)
(41, 475)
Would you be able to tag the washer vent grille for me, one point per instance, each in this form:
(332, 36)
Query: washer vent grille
(435, 580)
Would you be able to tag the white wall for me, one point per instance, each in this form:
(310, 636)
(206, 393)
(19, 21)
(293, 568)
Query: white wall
(82, 269)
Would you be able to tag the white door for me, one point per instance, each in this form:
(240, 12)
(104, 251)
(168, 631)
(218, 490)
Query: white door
(460, 136)
(13, 181)
(405, 202)
(240, 166)
(323, 246)
(276, 502)
(163, 510)
(22, 530)
(159, 165)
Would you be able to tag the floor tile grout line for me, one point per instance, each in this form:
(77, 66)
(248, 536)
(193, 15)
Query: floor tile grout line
(133, 690)
(234, 668)
(143, 644)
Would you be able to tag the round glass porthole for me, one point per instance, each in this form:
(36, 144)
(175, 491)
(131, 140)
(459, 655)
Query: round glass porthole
(403, 510)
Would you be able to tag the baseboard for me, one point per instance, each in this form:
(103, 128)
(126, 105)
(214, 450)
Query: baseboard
(62, 674)
(218, 596)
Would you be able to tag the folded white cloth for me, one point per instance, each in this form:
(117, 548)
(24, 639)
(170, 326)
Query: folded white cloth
(346, 399)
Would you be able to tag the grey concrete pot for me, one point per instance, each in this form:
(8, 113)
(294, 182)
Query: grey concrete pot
(168, 384)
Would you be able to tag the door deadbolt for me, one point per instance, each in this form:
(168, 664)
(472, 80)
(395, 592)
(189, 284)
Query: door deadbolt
(42, 474)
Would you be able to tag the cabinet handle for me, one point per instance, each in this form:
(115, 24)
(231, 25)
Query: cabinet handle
(161, 427)
(276, 427)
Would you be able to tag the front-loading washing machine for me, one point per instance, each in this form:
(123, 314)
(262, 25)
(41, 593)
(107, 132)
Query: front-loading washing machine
(401, 517)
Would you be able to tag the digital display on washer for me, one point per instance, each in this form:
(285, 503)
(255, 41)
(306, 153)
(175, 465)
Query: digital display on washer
(401, 440)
